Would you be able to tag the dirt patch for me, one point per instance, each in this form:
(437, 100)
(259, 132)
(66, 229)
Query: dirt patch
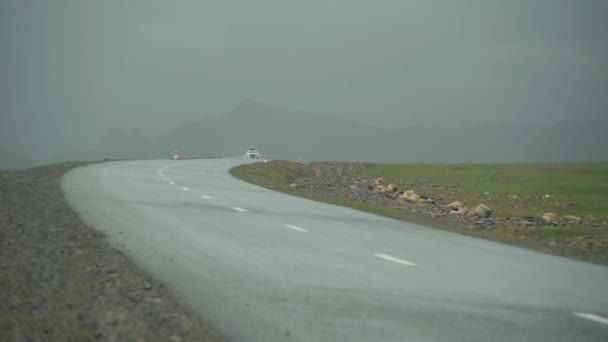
(61, 280)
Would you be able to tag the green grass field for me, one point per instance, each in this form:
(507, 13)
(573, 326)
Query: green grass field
(578, 189)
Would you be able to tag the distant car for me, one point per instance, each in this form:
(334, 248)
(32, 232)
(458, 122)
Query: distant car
(252, 153)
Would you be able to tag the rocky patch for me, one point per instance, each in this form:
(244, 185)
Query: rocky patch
(346, 180)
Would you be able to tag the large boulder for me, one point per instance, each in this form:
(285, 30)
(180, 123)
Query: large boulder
(414, 197)
(407, 194)
(572, 219)
(391, 188)
(483, 210)
(380, 188)
(455, 205)
(462, 211)
(550, 217)
(378, 181)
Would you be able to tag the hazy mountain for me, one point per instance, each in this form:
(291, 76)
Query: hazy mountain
(283, 134)
(73, 70)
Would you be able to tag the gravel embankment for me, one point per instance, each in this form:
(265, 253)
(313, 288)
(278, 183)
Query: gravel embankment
(62, 281)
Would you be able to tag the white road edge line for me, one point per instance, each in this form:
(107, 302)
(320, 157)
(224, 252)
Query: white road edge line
(397, 260)
(185, 189)
(206, 197)
(591, 317)
(240, 209)
(290, 226)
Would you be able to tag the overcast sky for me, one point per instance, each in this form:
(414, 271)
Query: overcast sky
(72, 70)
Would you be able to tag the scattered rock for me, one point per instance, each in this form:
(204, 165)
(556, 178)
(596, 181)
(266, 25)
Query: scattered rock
(485, 223)
(455, 205)
(407, 194)
(348, 180)
(391, 188)
(380, 188)
(316, 170)
(572, 219)
(589, 218)
(293, 185)
(483, 210)
(526, 223)
(550, 217)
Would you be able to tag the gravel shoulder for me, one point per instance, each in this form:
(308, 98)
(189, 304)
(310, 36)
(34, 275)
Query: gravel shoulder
(61, 280)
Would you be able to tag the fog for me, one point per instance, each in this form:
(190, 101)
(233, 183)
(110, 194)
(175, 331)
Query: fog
(75, 72)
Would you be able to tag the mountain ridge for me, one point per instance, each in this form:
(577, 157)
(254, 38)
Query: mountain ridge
(283, 134)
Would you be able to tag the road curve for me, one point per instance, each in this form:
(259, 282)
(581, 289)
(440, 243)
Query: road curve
(266, 266)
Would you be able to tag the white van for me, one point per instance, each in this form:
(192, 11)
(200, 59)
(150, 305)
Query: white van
(252, 153)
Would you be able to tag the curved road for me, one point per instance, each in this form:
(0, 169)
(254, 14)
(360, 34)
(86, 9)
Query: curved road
(266, 266)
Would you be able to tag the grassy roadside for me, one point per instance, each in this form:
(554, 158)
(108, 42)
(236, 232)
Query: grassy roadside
(579, 189)
(512, 190)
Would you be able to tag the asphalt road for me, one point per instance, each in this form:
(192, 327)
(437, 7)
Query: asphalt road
(265, 266)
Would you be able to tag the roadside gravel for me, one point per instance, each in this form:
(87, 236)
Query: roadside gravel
(62, 281)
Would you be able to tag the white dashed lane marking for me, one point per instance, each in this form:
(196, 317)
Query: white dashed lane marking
(206, 197)
(393, 259)
(185, 189)
(296, 228)
(172, 183)
(240, 209)
(591, 317)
